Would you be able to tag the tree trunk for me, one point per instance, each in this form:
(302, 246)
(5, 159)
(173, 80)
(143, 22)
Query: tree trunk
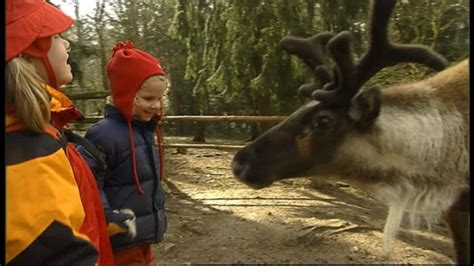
(199, 135)
(264, 109)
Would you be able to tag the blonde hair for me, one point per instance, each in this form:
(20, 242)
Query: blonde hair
(159, 77)
(26, 92)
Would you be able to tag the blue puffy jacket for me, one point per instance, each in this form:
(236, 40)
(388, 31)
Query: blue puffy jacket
(111, 134)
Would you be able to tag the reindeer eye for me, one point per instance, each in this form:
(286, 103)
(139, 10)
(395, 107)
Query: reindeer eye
(322, 123)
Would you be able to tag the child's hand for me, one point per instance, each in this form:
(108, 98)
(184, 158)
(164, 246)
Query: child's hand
(121, 221)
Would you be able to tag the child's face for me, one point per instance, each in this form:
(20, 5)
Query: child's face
(147, 101)
(58, 55)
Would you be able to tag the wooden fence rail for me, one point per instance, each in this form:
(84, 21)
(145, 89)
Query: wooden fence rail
(207, 118)
(88, 95)
(185, 118)
(224, 147)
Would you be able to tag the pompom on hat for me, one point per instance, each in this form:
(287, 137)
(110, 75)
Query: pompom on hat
(127, 69)
(30, 20)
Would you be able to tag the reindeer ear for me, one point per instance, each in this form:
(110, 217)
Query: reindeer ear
(365, 107)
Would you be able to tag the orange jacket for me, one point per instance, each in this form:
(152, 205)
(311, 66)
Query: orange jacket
(54, 214)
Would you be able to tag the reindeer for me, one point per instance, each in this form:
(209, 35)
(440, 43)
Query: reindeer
(407, 144)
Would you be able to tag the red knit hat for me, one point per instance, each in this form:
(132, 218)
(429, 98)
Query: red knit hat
(30, 25)
(127, 69)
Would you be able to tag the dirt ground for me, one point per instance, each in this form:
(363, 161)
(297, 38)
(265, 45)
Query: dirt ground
(213, 218)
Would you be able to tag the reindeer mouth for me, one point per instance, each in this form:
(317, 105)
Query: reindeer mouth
(247, 175)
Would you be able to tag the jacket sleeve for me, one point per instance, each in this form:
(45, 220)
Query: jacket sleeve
(95, 139)
(45, 214)
(98, 173)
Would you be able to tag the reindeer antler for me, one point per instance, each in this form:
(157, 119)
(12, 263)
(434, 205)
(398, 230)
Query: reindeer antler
(348, 77)
(311, 51)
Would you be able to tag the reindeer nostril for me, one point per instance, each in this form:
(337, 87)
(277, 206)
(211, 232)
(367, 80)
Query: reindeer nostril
(237, 168)
(240, 161)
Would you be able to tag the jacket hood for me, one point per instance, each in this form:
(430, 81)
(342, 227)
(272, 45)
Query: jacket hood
(61, 107)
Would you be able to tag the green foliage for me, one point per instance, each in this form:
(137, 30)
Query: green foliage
(223, 56)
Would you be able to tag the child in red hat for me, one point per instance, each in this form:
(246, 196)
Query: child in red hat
(54, 214)
(132, 192)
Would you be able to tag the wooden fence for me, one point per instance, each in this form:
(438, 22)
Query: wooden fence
(186, 118)
(207, 118)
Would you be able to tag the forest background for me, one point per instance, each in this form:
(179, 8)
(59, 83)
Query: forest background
(222, 56)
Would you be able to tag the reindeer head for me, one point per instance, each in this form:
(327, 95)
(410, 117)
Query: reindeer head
(308, 140)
